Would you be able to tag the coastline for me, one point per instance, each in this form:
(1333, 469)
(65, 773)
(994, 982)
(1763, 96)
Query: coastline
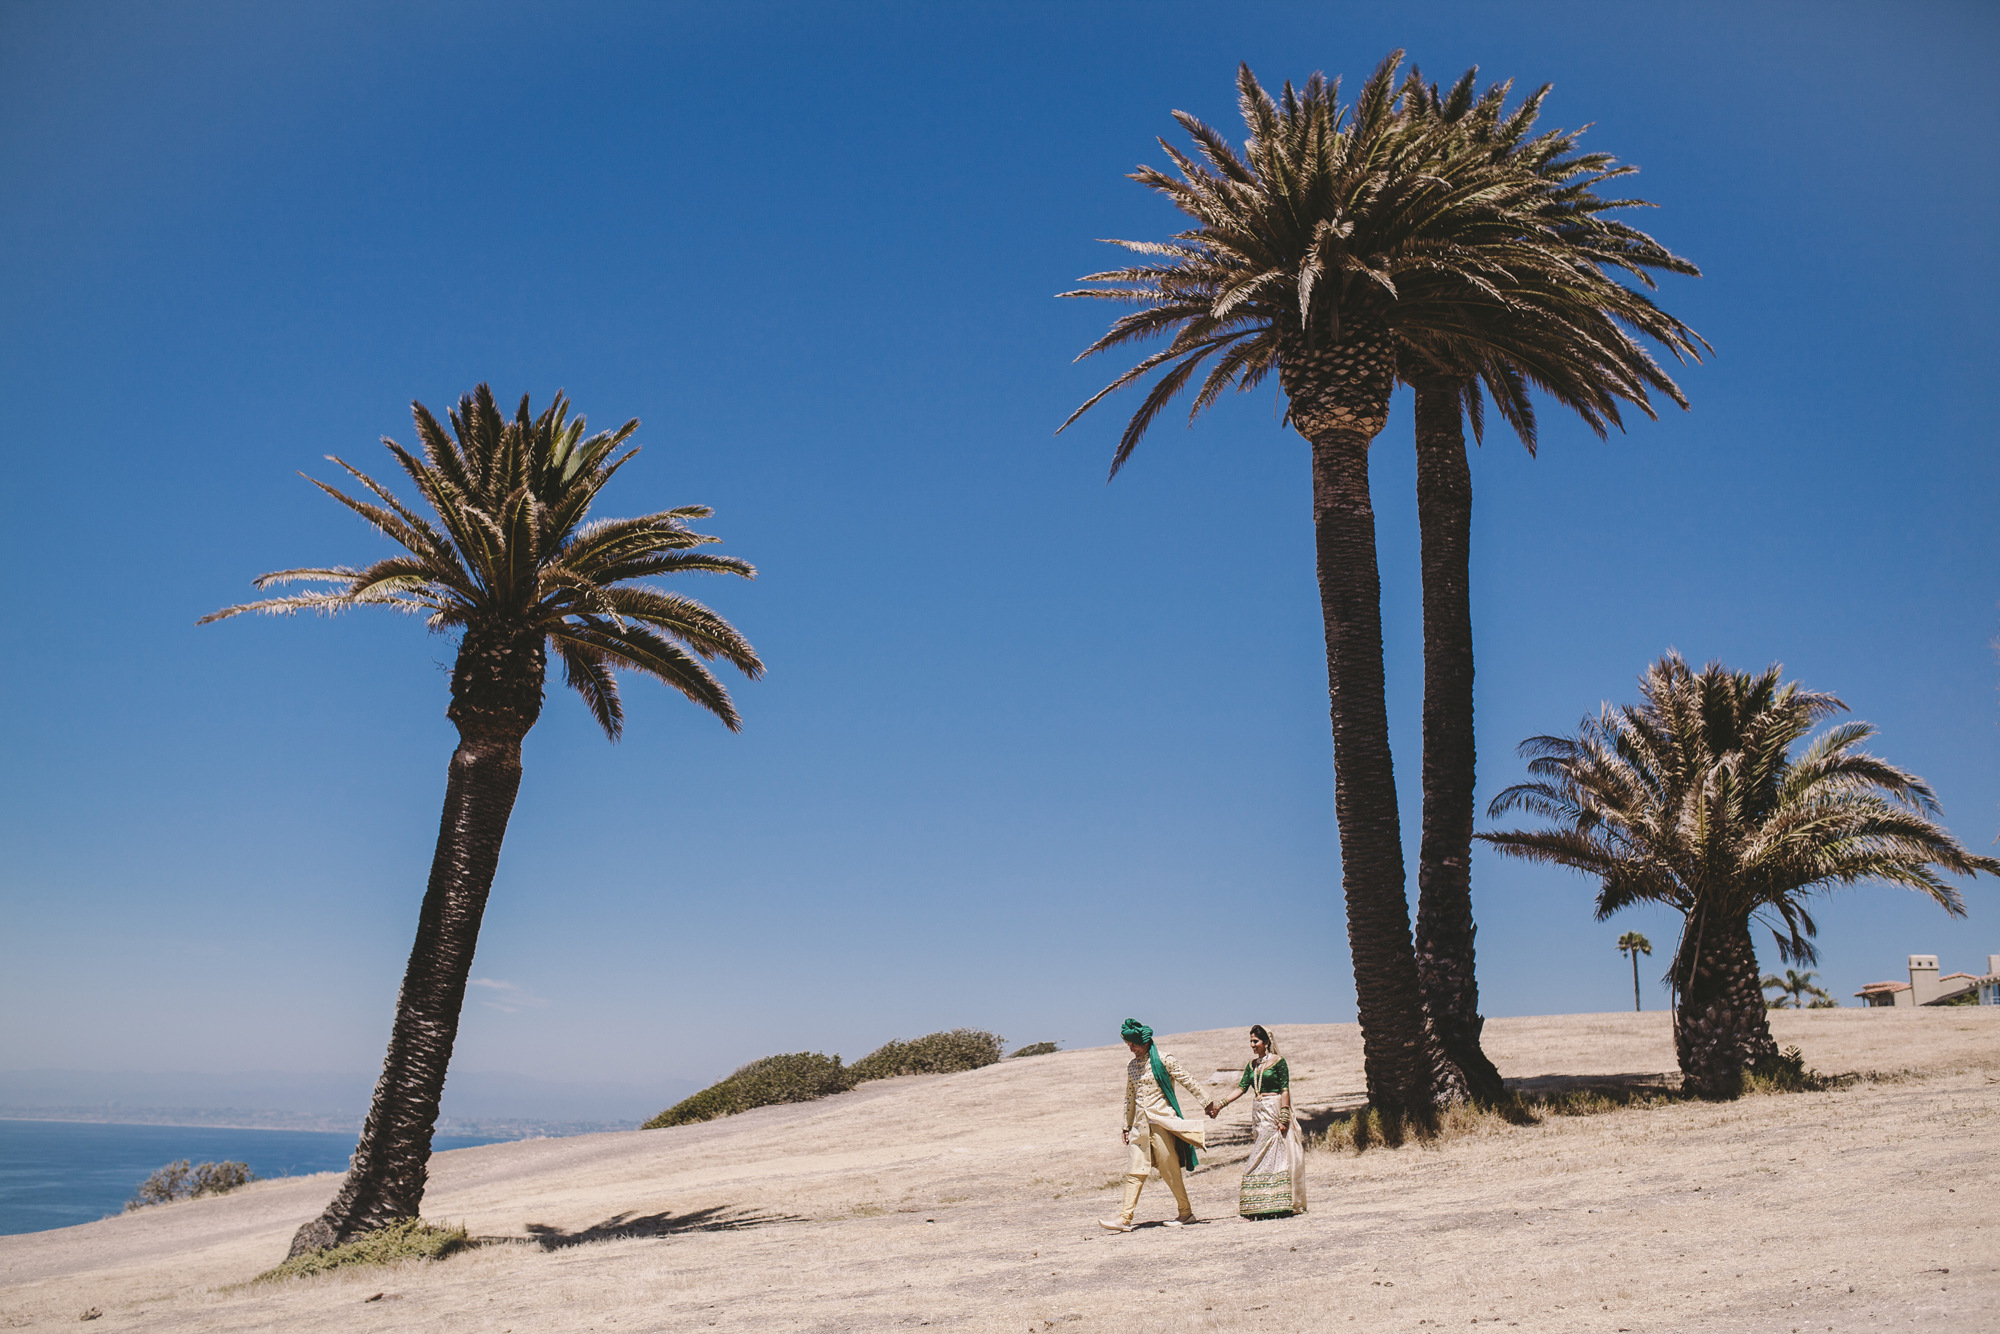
(971, 1200)
(233, 1118)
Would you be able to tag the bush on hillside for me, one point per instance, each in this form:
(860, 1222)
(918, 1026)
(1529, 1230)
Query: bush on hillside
(797, 1077)
(178, 1181)
(932, 1054)
(806, 1075)
(1034, 1049)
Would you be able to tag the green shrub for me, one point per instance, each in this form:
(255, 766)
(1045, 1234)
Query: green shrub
(1034, 1049)
(405, 1239)
(932, 1054)
(797, 1077)
(1785, 1073)
(806, 1075)
(178, 1181)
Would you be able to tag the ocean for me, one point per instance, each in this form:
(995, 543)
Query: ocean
(59, 1173)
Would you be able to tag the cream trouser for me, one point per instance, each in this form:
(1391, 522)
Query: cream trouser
(1153, 1147)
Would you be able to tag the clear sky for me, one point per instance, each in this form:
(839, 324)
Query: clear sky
(1034, 752)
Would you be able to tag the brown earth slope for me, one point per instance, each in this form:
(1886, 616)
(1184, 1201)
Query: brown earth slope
(971, 1201)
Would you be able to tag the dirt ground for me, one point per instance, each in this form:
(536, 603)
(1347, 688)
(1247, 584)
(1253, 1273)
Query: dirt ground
(971, 1201)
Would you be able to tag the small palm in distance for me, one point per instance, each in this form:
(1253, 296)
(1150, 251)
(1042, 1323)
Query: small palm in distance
(511, 561)
(1794, 987)
(1634, 944)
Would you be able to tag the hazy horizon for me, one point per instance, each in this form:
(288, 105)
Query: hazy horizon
(469, 1095)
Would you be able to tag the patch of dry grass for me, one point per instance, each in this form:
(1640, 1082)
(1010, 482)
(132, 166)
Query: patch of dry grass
(1367, 1128)
(408, 1239)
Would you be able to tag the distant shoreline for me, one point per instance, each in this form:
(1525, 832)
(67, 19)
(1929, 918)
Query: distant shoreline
(236, 1118)
(221, 1118)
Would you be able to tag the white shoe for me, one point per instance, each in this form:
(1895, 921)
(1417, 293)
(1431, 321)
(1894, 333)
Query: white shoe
(1110, 1226)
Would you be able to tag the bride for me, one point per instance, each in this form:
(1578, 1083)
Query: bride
(1274, 1178)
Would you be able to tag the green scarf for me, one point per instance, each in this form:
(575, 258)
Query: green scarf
(1181, 1146)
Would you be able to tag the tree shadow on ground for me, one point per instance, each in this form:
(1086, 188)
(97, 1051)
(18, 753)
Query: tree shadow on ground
(1313, 1121)
(1353, 1123)
(1614, 1087)
(718, 1218)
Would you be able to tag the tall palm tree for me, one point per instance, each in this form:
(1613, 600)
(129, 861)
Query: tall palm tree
(1692, 798)
(1634, 944)
(1563, 331)
(511, 565)
(1328, 243)
(1793, 988)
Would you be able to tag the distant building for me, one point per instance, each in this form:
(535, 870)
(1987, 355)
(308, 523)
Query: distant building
(1925, 987)
(1885, 993)
(1953, 985)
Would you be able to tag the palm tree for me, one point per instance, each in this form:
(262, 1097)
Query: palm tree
(1564, 332)
(1330, 242)
(1693, 799)
(1794, 987)
(1634, 944)
(511, 565)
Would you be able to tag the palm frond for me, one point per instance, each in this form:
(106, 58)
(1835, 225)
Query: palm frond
(508, 550)
(1483, 246)
(589, 674)
(638, 649)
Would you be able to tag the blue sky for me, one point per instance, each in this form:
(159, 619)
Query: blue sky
(1034, 752)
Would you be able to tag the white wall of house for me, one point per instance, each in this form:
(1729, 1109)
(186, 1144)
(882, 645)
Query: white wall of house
(1924, 986)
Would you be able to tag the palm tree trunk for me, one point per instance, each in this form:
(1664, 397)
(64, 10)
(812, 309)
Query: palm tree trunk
(1339, 397)
(1445, 929)
(386, 1177)
(1635, 981)
(1720, 1023)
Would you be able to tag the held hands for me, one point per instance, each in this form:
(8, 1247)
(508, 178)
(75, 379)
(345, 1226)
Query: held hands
(1214, 1110)
(1125, 1135)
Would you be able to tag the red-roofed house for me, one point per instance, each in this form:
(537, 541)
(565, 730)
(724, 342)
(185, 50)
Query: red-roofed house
(1886, 993)
(1925, 987)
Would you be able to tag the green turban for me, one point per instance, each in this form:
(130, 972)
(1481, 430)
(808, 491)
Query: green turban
(1134, 1031)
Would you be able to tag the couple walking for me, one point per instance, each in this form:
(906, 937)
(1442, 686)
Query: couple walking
(1160, 1137)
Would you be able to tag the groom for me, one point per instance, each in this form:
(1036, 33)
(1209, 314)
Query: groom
(1156, 1132)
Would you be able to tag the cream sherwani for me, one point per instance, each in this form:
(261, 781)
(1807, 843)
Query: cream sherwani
(1153, 1130)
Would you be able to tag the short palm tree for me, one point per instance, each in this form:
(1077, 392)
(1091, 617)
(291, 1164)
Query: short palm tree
(509, 562)
(1633, 944)
(1565, 330)
(1793, 988)
(1332, 241)
(1692, 798)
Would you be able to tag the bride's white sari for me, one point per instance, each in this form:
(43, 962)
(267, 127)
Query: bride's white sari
(1274, 1179)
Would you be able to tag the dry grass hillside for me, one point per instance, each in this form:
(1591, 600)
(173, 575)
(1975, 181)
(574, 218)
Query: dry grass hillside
(970, 1201)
